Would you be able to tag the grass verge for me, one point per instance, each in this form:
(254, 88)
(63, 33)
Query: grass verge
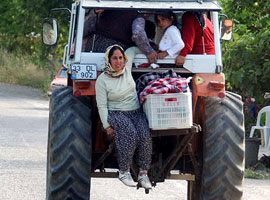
(259, 171)
(21, 71)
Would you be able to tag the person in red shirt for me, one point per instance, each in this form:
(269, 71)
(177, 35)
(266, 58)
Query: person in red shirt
(192, 23)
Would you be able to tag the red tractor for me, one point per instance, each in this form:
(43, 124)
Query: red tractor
(208, 151)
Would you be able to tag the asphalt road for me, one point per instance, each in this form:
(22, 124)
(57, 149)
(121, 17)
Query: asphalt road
(23, 144)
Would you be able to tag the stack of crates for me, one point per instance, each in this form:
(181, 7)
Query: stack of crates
(169, 111)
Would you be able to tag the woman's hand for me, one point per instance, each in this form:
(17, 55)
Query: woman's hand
(98, 11)
(152, 57)
(162, 54)
(180, 60)
(110, 132)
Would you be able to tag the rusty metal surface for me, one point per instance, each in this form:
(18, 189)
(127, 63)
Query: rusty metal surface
(157, 133)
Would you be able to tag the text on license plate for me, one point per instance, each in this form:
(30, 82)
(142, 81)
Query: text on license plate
(84, 71)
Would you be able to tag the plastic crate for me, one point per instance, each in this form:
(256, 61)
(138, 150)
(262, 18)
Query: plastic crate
(169, 111)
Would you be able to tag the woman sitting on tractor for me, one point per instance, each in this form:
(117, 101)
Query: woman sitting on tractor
(121, 115)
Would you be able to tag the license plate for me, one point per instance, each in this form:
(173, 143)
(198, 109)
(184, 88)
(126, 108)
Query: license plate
(84, 71)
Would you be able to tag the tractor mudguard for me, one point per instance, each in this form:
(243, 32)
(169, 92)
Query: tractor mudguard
(84, 87)
(207, 85)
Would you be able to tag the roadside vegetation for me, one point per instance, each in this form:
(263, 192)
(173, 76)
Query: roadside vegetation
(246, 57)
(246, 62)
(24, 60)
(259, 171)
(21, 70)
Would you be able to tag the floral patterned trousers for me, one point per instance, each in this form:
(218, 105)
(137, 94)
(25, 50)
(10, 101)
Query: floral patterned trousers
(132, 136)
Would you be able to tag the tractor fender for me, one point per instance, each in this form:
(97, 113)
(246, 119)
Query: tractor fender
(207, 85)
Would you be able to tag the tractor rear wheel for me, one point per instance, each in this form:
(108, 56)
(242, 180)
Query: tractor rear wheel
(223, 148)
(69, 146)
(222, 170)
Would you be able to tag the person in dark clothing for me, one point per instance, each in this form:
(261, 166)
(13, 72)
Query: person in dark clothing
(125, 28)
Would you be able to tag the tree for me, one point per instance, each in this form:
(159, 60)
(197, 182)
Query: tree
(247, 57)
(21, 25)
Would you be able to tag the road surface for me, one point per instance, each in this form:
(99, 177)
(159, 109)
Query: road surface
(23, 145)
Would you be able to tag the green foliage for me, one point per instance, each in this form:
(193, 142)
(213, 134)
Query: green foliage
(249, 173)
(246, 57)
(22, 71)
(259, 171)
(262, 122)
(21, 25)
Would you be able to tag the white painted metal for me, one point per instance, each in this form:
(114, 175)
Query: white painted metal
(79, 35)
(217, 40)
(64, 63)
(71, 32)
(152, 5)
(194, 63)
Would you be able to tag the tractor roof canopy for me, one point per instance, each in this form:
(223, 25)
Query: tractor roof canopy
(203, 5)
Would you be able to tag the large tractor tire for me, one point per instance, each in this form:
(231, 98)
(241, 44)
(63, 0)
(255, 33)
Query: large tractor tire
(69, 147)
(223, 149)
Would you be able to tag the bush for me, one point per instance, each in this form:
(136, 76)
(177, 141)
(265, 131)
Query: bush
(246, 58)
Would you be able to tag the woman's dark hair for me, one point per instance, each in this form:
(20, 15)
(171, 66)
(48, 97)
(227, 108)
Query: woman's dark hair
(113, 49)
(167, 15)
